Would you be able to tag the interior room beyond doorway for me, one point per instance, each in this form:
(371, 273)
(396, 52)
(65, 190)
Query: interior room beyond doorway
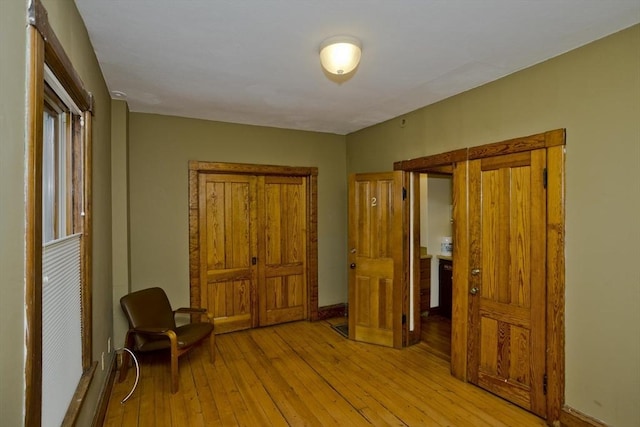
(435, 259)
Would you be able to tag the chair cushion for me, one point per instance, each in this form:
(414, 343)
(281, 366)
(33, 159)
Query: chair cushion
(151, 343)
(192, 333)
(187, 336)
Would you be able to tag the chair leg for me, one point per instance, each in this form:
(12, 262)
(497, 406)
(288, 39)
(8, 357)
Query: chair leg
(212, 347)
(128, 343)
(174, 365)
(212, 339)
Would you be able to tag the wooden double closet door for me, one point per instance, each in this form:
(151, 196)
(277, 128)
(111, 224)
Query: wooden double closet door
(250, 246)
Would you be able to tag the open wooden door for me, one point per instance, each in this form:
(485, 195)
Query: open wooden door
(507, 282)
(376, 250)
(507, 331)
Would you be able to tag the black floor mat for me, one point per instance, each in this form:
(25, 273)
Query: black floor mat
(342, 329)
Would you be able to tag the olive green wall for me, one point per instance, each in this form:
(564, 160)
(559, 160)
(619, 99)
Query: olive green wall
(12, 228)
(160, 148)
(70, 30)
(593, 92)
(120, 215)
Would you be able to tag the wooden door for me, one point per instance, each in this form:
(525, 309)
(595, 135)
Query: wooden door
(282, 249)
(376, 245)
(227, 220)
(507, 282)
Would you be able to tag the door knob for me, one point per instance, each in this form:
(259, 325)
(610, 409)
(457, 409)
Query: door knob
(353, 265)
(474, 290)
(475, 271)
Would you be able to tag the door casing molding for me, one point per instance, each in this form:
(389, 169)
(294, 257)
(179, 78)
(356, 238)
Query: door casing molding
(455, 163)
(198, 167)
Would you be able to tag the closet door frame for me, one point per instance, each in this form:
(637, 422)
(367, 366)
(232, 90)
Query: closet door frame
(311, 173)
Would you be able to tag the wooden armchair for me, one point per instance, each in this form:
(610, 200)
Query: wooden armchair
(152, 326)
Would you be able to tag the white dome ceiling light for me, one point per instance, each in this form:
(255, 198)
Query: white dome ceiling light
(340, 55)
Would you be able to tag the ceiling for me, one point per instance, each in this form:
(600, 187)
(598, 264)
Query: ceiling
(257, 62)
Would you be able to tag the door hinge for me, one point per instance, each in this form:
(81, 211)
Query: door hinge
(404, 193)
(544, 384)
(404, 319)
(544, 177)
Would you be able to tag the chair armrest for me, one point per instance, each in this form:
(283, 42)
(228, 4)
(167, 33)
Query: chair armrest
(190, 310)
(194, 310)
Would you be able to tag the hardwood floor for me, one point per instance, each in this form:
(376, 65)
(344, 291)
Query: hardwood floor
(306, 373)
(435, 332)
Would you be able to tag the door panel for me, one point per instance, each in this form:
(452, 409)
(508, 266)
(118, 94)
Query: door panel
(282, 250)
(507, 205)
(375, 254)
(226, 248)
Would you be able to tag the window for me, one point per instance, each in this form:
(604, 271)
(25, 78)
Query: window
(58, 236)
(61, 250)
(56, 165)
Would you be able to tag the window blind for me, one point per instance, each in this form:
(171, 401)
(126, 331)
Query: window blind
(61, 327)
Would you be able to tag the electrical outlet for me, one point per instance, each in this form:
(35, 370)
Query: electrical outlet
(109, 345)
(102, 360)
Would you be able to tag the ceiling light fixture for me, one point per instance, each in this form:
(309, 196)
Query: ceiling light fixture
(118, 94)
(340, 54)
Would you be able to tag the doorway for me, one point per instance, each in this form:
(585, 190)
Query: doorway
(253, 243)
(544, 389)
(436, 220)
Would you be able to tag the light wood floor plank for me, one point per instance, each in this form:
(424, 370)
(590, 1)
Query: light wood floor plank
(396, 397)
(230, 404)
(371, 382)
(147, 411)
(203, 390)
(162, 386)
(290, 403)
(330, 407)
(191, 400)
(324, 358)
(305, 373)
(252, 389)
(394, 390)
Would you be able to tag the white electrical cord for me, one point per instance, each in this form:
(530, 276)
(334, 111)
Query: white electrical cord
(135, 360)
